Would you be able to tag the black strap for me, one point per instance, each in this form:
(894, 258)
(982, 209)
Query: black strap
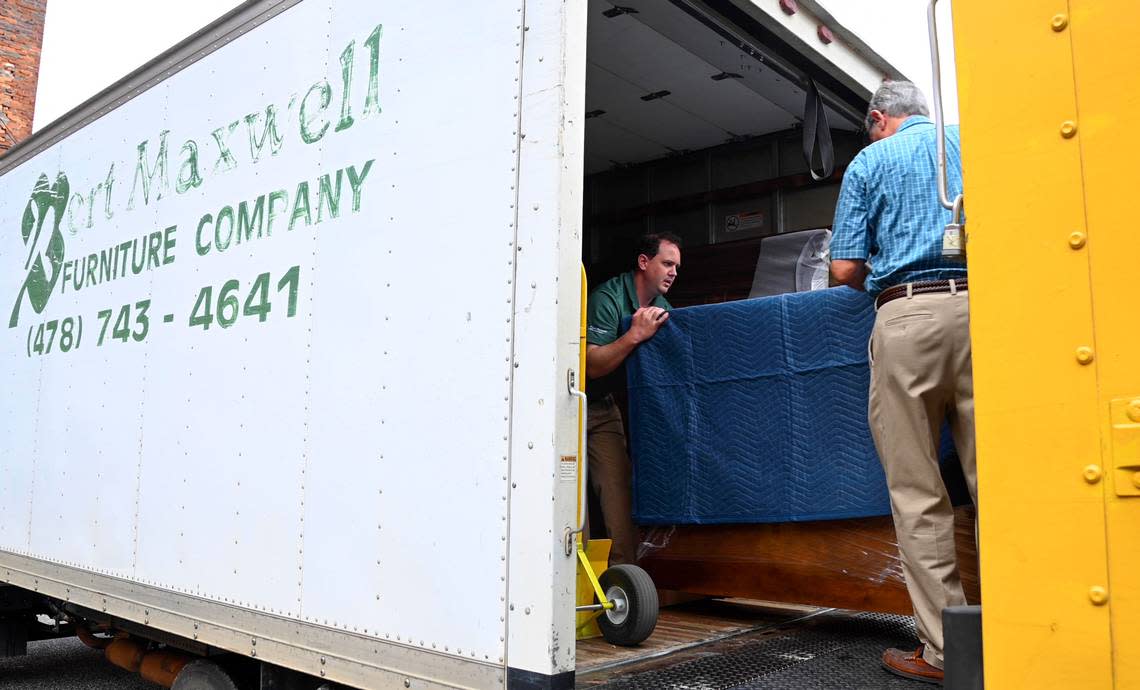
(817, 134)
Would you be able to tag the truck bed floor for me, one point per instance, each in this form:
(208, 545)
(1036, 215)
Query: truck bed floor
(822, 650)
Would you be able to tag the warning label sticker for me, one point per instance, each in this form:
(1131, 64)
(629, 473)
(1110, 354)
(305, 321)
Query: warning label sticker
(568, 468)
(745, 220)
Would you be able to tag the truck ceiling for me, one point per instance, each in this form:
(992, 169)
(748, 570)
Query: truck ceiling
(668, 77)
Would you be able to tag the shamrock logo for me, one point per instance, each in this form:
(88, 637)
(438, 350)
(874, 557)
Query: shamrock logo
(48, 200)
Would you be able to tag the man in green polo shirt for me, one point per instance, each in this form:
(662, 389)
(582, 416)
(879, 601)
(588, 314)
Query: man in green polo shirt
(640, 295)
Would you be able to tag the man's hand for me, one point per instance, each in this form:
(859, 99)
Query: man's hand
(645, 323)
(849, 272)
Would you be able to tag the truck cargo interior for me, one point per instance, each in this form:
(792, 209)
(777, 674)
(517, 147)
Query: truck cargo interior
(694, 126)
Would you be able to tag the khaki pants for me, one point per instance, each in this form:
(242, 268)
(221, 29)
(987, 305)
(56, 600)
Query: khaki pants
(920, 374)
(611, 476)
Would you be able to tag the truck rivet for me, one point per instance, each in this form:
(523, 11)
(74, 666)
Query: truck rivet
(1133, 410)
(1092, 473)
(1060, 21)
(1098, 595)
(1077, 240)
(1136, 479)
(1084, 355)
(1068, 129)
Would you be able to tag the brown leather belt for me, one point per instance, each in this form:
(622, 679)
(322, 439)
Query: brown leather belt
(922, 288)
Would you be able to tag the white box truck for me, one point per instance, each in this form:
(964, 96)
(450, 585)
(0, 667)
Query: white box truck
(290, 313)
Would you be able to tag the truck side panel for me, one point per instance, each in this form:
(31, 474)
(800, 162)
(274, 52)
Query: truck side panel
(285, 276)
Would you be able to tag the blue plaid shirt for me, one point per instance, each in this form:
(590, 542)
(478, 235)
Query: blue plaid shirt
(888, 212)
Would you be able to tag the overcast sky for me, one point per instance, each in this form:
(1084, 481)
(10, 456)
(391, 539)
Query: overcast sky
(89, 44)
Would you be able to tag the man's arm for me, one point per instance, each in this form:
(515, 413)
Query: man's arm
(850, 234)
(849, 272)
(603, 359)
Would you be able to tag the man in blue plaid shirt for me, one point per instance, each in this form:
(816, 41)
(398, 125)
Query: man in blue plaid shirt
(887, 240)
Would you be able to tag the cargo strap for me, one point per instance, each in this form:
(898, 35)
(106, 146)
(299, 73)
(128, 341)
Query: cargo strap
(817, 134)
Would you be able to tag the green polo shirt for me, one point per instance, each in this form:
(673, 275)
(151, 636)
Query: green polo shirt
(609, 304)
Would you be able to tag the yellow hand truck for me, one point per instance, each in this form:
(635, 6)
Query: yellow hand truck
(622, 604)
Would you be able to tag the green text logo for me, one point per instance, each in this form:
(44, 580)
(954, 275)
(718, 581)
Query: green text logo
(48, 201)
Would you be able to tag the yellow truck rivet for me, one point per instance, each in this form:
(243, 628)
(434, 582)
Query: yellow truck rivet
(1077, 240)
(1092, 473)
(1060, 21)
(1084, 355)
(1133, 410)
(1136, 479)
(1098, 595)
(1068, 129)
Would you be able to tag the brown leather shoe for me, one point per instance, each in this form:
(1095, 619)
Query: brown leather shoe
(911, 665)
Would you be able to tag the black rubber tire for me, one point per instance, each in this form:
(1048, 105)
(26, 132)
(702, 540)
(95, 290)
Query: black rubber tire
(203, 675)
(640, 616)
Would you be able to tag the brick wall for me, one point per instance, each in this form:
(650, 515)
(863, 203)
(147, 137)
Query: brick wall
(21, 34)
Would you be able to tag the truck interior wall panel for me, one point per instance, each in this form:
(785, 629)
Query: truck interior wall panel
(680, 176)
(810, 207)
(743, 163)
(691, 226)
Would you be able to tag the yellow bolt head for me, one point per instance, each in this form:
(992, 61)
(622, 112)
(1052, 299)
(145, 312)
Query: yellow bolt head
(1068, 129)
(1060, 21)
(1084, 355)
(1077, 240)
(1098, 595)
(1092, 473)
(1136, 479)
(1133, 410)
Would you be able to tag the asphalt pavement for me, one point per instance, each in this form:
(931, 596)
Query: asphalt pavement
(65, 664)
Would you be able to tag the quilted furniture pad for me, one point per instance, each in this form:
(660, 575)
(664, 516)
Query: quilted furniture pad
(756, 411)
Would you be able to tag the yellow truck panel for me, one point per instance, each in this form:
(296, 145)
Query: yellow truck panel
(1108, 103)
(1048, 103)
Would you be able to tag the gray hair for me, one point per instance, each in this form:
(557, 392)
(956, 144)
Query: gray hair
(896, 98)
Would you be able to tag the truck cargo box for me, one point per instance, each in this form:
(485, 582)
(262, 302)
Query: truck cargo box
(291, 309)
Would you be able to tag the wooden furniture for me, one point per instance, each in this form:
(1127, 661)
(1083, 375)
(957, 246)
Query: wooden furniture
(851, 564)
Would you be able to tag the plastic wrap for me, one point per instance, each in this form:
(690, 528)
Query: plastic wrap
(792, 262)
(841, 563)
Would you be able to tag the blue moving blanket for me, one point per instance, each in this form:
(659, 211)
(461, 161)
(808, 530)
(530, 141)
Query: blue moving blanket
(756, 411)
